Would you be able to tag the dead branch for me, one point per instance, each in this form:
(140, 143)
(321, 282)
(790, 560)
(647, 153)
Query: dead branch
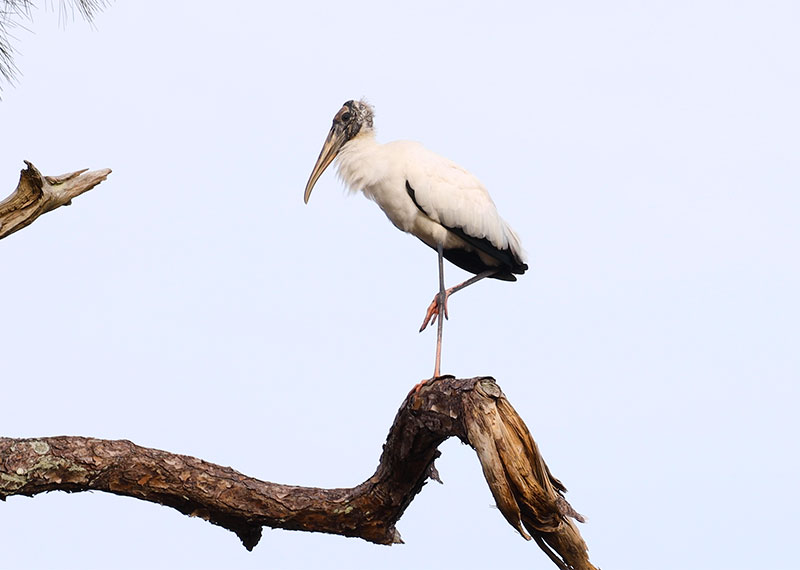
(36, 195)
(474, 410)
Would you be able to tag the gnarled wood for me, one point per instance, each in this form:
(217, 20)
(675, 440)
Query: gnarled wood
(36, 195)
(474, 410)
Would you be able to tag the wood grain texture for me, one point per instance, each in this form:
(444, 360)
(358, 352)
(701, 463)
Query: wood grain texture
(474, 410)
(37, 194)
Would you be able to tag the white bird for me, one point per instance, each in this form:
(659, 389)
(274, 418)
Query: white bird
(427, 196)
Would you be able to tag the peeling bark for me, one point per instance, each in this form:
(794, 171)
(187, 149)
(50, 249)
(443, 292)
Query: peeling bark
(474, 410)
(36, 195)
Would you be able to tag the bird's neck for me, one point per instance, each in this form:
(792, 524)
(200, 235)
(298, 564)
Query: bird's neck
(356, 162)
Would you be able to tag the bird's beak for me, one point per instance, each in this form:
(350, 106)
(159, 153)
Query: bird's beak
(336, 138)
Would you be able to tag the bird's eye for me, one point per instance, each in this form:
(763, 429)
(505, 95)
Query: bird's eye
(346, 117)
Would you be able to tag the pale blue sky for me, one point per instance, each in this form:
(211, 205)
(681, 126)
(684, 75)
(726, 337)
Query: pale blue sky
(647, 153)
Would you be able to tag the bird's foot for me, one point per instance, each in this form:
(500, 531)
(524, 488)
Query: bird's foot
(436, 376)
(415, 389)
(434, 310)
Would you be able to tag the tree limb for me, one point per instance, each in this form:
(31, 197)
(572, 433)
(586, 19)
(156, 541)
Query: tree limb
(474, 410)
(36, 195)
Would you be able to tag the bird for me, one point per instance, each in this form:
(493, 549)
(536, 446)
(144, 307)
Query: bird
(426, 195)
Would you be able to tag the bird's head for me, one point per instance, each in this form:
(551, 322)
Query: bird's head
(353, 118)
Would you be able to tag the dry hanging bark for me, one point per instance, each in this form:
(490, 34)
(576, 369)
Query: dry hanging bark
(474, 410)
(36, 195)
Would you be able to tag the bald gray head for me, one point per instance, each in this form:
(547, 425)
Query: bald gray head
(354, 118)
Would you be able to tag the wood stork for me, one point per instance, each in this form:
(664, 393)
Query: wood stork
(425, 195)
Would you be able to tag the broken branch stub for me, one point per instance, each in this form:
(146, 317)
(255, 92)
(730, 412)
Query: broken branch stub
(529, 497)
(37, 194)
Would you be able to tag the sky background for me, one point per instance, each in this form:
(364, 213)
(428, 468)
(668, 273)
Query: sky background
(648, 154)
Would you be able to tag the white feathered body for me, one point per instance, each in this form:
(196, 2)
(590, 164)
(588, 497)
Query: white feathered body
(450, 196)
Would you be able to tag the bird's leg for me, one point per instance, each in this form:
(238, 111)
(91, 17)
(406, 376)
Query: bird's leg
(441, 298)
(438, 307)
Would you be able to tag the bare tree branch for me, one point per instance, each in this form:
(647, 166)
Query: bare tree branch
(474, 410)
(36, 195)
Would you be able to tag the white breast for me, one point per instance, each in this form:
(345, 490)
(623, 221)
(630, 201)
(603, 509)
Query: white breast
(379, 171)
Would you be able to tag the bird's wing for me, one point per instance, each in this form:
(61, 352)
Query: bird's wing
(455, 198)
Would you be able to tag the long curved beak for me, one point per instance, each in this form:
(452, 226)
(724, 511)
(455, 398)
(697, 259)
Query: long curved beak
(329, 151)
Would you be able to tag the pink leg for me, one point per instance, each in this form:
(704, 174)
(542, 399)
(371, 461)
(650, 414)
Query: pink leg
(438, 307)
(434, 308)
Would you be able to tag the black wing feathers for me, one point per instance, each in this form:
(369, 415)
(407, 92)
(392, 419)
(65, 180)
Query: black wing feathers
(470, 260)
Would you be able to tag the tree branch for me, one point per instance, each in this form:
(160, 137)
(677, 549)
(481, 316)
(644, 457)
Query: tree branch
(36, 195)
(474, 410)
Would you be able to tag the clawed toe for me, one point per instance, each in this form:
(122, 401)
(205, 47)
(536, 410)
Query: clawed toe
(433, 312)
